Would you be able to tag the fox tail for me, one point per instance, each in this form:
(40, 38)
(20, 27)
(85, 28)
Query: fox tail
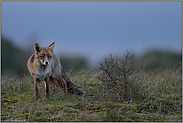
(70, 86)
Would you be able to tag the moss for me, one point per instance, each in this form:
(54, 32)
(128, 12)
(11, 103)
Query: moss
(125, 119)
(9, 101)
(70, 110)
(124, 107)
(40, 120)
(4, 116)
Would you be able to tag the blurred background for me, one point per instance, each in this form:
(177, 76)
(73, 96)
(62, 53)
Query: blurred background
(87, 32)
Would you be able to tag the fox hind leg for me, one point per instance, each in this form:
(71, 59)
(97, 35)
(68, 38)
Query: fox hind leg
(65, 83)
(52, 83)
(61, 81)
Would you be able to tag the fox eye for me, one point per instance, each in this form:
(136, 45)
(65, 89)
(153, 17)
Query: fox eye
(41, 56)
(49, 56)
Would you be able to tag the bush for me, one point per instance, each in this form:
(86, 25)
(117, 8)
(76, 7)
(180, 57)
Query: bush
(115, 77)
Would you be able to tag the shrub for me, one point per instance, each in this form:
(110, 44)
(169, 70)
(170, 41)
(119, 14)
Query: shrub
(115, 77)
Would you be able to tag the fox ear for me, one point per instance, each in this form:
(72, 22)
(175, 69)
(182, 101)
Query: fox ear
(51, 46)
(37, 48)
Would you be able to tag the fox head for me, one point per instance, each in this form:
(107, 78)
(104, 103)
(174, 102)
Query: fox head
(44, 54)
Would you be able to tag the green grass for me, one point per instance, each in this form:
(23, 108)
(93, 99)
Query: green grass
(157, 96)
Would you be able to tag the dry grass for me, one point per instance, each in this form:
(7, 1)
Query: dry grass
(157, 96)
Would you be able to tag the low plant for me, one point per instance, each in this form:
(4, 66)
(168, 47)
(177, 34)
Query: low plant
(115, 79)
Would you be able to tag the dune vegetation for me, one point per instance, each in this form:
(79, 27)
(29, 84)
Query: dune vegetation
(115, 91)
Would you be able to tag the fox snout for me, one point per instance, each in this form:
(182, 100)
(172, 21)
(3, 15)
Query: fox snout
(45, 62)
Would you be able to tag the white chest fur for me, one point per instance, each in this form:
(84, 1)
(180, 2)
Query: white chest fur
(42, 72)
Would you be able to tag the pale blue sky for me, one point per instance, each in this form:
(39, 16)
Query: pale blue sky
(95, 29)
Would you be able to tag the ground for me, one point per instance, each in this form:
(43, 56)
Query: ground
(157, 97)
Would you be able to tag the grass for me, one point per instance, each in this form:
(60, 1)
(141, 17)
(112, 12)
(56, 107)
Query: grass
(157, 97)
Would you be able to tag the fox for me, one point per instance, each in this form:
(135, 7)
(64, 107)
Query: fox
(45, 66)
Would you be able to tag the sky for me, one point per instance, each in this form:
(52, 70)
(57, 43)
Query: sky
(94, 29)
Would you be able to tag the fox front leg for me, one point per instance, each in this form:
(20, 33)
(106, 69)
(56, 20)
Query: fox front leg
(36, 83)
(46, 83)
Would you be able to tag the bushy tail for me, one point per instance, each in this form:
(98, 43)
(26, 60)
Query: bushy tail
(71, 87)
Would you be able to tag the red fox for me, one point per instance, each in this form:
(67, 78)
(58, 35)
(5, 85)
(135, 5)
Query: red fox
(45, 66)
